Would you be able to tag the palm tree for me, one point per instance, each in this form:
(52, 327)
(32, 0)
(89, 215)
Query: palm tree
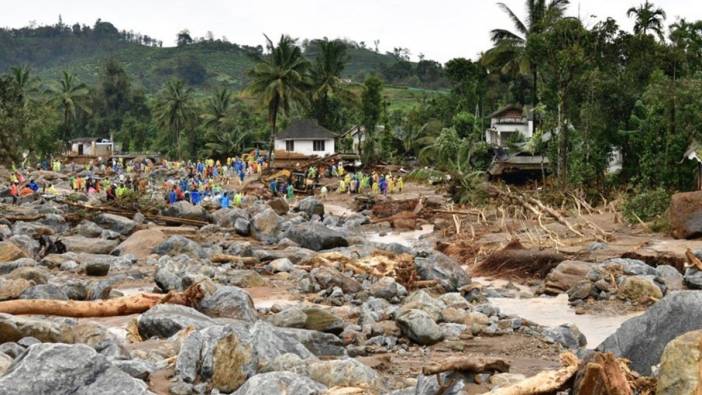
(21, 77)
(217, 109)
(69, 94)
(509, 52)
(174, 110)
(280, 80)
(647, 18)
(326, 78)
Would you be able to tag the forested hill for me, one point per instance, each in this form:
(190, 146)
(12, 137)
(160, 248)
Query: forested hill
(205, 63)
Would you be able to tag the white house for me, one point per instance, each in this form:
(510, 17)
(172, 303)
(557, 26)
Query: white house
(92, 146)
(307, 137)
(508, 122)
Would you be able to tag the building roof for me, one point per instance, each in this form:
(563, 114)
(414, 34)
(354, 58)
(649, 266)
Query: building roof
(305, 129)
(513, 107)
(90, 140)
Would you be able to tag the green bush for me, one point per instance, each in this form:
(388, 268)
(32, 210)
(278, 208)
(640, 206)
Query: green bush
(647, 205)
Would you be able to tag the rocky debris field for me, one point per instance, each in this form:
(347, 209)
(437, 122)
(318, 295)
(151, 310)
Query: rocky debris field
(278, 298)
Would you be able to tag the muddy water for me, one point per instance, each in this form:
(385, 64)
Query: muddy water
(554, 311)
(406, 239)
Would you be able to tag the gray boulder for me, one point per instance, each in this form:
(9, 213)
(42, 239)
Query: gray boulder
(631, 267)
(446, 271)
(291, 317)
(643, 338)
(176, 245)
(311, 206)
(419, 327)
(315, 236)
(56, 368)
(88, 229)
(266, 224)
(568, 335)
(89, 245)
(229, 302)
(281, 383)
(165, 320)
(344, 372)
(219, 355)
(184, 209)
(693, 278)
(327, 277)
(319, 343)
(116, 223)
(670, 276)
(44, 291)
(242, 226)
(387, 288)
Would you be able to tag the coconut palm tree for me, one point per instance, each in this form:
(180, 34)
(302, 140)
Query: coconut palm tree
(174, 110)
(647, 18)
(69, 94)
(217, 109)
(326, 78)
(280, 80)
(509, 52)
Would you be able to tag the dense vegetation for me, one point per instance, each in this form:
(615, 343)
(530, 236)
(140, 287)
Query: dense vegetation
(593, 91)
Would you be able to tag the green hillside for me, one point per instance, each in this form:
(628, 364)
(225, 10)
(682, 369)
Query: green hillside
(49, 50)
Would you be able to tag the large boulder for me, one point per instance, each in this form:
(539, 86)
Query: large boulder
(671, 277)
(315, 236)
(141, 243)
(186, 210)
(229, 302)
(176, 245)
(565, 275)
(568, 335)
(279, 205)
(11, 252)
(681, 364)
(419, 327)
(328, 277)
(344, 372)
(14, 328)
(218, 355)
(318, 343)
(685, 214)
(643, 338)
(311, 206)
(116, 223)
(55, 368)
(266, 224)
(446, 271)
(322, 320)
(638, 288)
(89, 245)
(281, 383)
(388, 288)
(165, 320)
(227, 217)
(44, 291)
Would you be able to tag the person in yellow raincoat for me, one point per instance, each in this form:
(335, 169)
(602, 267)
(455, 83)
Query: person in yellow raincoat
(342, 186)
(391, 184)
(400, 184)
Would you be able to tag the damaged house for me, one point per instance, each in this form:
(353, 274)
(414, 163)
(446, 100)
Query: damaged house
(511, 128)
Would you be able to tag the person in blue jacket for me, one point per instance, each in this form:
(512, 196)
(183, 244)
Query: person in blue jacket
(224, 200)
(173, 196)
(195, 196)
(33, 186)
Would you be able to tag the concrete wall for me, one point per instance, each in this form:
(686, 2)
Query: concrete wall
(305, 147)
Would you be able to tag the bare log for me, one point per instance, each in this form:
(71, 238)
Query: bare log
(545, 382)
(101, 308)
(469, 364)
(224, 258)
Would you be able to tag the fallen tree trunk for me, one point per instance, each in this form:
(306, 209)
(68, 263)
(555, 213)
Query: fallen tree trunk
(515, 260)
(545, 382)
(224, 258)
(468, 364)
(101, 308)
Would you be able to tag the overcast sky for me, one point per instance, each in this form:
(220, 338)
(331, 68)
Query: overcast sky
(440, 29)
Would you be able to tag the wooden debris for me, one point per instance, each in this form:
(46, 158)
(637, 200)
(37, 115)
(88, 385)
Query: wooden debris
(515, 260)
(545, 382)
(693, 260)
(468, 364)
(101, 308)
(603, 374)
(224, 258)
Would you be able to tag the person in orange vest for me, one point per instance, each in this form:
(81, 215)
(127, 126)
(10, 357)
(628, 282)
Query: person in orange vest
(14, 192)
